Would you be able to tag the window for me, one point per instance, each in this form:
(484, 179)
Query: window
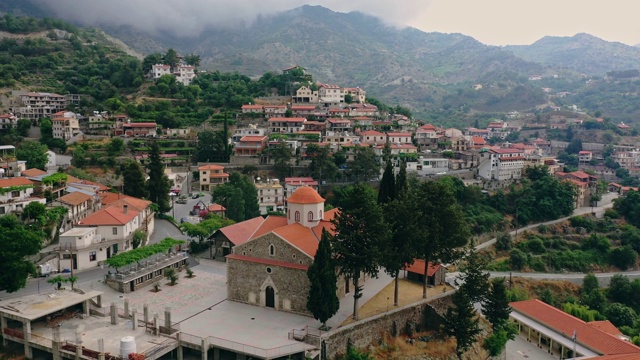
(15, 194)
(298, 216)
(269, 270)
(272, 250)
(310, 216)
(92, 256)
(320, 214)
(114, 231)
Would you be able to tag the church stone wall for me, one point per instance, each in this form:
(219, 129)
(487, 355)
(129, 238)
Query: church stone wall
(259, 248)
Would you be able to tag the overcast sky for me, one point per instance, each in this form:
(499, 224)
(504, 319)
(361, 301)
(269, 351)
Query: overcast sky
(495, 22)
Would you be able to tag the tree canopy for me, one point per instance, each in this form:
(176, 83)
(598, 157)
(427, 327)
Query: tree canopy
(14, 266)
(34, 153)
(322, 300)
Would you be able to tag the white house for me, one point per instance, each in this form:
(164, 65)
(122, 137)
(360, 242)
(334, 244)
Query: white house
(286, 125)
(399, 137)
(16, 193)
(270, 195)
(114, 227)
(501, 164)
(84, 246)
(158, 70)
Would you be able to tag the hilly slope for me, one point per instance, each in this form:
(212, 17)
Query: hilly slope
(401, 66)
(583, 53)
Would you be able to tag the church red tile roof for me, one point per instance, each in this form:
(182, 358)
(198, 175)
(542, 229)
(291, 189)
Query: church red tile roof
(305, 195)
(241, 232)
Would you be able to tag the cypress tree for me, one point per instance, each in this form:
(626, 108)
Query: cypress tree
(475, 279)
(322, 300)
(401, 178)
(158, 183)
(134, 179)
(496, 306)
(387, 185)
(461, 322)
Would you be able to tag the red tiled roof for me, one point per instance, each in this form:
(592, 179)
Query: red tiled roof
(241, 232)
(267, 262)
(584, 152)
(269, 224)
(109, 199)
(578, 182)
(302, 107)
(372, 133)
(305, 195)
(300, 181)
(291, 119)
(579, 174)
(399, 134)
(75, 198)
(300, 236)
(15, 181)
(588, 336)
(141, 125)
(215, 208)
(254, 138)
(477, 140)
(252, 107)
(109, 216)
(33, 172)
(606, 326)
(418, 268)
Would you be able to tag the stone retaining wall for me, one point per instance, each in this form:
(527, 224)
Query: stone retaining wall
(427, 314)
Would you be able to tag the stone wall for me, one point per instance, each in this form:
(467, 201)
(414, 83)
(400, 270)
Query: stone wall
(247, 281)
(427, 314)
(259, 248)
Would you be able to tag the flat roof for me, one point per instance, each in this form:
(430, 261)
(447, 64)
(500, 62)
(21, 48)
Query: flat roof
(35, 306)
(78, 231)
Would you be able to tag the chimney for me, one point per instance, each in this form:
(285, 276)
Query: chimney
(126, 208)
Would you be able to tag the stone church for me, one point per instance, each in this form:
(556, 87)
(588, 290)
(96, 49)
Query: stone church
(269, 267)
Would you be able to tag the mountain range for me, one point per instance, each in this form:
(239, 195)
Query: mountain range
(400, 66)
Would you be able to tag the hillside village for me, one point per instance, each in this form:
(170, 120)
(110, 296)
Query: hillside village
(256, 199)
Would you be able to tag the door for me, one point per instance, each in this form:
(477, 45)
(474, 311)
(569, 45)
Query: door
(346, 286)
(108, 252)
(270, 300)
(74, 261)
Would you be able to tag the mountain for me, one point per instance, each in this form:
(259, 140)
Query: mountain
(583, 53)
(401, 66)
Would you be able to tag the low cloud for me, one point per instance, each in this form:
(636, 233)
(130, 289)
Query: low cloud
(192, 17)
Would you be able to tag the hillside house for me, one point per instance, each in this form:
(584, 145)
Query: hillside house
(8, 121)
(303, 110)
(85, 247)
(79, 205)
(585, 156)
(211, 176)
(139, 129)
(373, 137)
(65, 125)
(274, 111)
(252, 130)
(305, 95)
(428, 166)
(17, 192)
(501, 164)
(330, 95)
(399, 137)
(338, 112)
(436, 272)
(185, 74)
(250, 145)
(286, 125)
(270, 196)
(338, 125)
(114, 227)
(357, 94)
(252, 109)
(159, 70)
(363, 110)
(38, 105)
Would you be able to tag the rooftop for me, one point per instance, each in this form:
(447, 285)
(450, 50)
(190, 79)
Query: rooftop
(305, 195)
(35, 306)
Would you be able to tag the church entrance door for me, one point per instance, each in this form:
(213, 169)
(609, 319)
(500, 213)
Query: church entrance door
(270, 300)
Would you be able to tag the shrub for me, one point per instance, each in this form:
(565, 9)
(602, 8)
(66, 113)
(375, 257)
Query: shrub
(170, 273)
(543, 229)
(518, 259)
(504, 242)
(582, 221)
(623, 257)
(581, 312)
(536, 264)
(620, 315)
(496, 342)
(517, 294)
(535, 245)
(611, 214)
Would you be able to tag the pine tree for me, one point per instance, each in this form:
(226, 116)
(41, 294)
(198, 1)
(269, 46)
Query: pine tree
(322, 300)
(158, 184)
(360, 232)
(134, 179)
(387, 185)
(496, 305)
(475, 279)
(400, 250)
(461, 322)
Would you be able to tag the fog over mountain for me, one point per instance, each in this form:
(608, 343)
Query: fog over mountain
(191, 18)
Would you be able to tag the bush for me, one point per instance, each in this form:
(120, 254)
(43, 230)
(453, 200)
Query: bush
(582, 221)
(620, 315)
(518, 259)
(496, 342)
(197, 247)
(537, 264)
(623, 257)
(504, 242)
(535, 245)
(517, 294)
(543, 229)
(581, 312)
(170, 273)
(611, 214)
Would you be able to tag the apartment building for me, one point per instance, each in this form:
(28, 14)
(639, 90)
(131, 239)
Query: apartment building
(211, 176)
(38, 105)
(501, 164)
(8, 121)
(17, 193)
(270, 196)
(65, 125)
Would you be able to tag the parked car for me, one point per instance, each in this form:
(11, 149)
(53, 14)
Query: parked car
(195, 196)
(181, 201)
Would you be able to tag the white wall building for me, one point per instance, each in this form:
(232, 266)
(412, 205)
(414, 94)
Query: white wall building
(501, 164)
(270, 195)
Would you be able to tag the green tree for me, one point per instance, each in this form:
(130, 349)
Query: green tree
(400, 249)
(115, 147)
(364, 165)
(619, 288)
(462, 323)
(322, 166)
(281, 156)
(475, 280)
(496, 305)
(629, 207)
(401, 177)
(171, 58)
(590, 294)
(623, 257)
(239, 196)
(134, 179)
(360, 231)
(387, 190)
(443, 229)
(33, 211)
(517, 259)
(192, 59)
(138, 238)
(34, 153)
(211, 146)
(322, 300)
(14, 265)
(150, 60)
(620, 315)
(158, 184)
(23, 127)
